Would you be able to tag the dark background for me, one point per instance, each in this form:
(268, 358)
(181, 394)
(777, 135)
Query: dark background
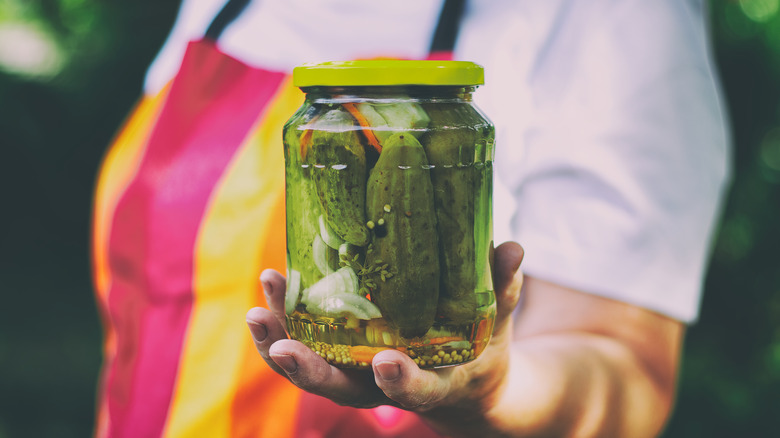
(58, 115)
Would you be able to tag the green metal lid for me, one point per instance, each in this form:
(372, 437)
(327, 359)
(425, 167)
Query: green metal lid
(388, 72)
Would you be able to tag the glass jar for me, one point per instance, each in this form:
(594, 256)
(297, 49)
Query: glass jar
(389, 212)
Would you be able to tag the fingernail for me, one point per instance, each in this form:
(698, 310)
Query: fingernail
(388, 370)
(259, 332)
(287, 363)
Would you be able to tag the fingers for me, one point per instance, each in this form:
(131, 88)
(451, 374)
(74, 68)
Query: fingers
(396, 380)
(306, 369)
(265, 329)
(310, 372)
(274, 287)
(303, 367)
(407, 385)
(507, 280)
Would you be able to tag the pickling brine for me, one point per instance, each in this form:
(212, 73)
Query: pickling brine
(388, 169)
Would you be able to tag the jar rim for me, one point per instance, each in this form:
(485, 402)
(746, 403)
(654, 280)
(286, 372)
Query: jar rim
(388, 72)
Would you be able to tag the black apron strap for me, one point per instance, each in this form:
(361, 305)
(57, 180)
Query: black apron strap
(444, 36)
(226, 15)
(447, 28)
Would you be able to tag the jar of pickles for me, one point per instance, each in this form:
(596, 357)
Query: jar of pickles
(389, 212)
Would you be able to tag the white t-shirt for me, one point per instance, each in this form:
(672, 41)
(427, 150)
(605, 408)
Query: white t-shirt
(612, 148)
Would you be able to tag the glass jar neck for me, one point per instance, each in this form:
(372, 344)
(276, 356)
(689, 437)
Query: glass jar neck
(380, 93)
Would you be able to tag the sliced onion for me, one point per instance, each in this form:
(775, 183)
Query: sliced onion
(319, 251)
(293, 290)
(348, 250)
(349, 304)
(350, 279)
(329, 236)
(337, 294)
(406, 116)
(330, 284)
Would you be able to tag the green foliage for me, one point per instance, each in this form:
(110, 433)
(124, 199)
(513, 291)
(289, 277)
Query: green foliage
(56, 123)
(730, 381)
(55, 126)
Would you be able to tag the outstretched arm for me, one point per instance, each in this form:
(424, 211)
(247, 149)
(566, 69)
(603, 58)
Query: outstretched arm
(580, 365)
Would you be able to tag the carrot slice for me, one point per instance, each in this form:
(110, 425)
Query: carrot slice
(364, 353)
(305, 140)
(372, 140)
(482, 333)
(482, 329)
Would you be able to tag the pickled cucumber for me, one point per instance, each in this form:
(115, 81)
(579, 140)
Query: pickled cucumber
(302, 210)
(450, 148)
(400, 205)
(339, 172)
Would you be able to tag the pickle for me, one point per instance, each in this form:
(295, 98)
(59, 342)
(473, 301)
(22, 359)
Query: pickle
(405, 245)
(339, 162)
(302, 210)
(450, 148)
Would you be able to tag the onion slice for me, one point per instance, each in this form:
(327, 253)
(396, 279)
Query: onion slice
(329, 236)
(293, 290)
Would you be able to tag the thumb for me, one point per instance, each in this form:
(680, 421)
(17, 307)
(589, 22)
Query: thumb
(507, 280)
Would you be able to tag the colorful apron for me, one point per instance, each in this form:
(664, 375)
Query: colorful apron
(188, 209)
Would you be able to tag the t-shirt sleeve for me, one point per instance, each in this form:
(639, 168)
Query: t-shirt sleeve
(612, 150)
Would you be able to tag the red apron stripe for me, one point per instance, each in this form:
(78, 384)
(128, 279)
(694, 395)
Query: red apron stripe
(442, 55)
(118, 167)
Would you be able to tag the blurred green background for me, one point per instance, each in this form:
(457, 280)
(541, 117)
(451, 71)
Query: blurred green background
(70, 70)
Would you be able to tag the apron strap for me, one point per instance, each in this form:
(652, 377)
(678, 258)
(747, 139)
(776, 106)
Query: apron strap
(447, 28)
(226, 15)
(443, 37)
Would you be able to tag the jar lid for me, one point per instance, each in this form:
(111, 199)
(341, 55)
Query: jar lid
(388, 72)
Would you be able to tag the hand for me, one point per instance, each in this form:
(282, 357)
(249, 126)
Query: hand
(396, 380)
